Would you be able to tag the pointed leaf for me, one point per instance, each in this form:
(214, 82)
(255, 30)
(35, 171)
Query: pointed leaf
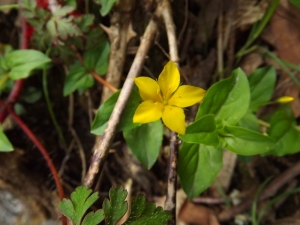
(145, 142)
(202, 131)
(105, 110)
(146, 213)
(81, 200)
(116, 207)
(262, 83)
(97, 59)
(106, 6)
(21, 63)
(228, 99)
(93, 218)
(5, 145)
(77, 78)
(283, 130)
(247, 142)
(198, 166)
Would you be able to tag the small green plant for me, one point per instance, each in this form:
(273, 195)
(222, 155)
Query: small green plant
(114, 209)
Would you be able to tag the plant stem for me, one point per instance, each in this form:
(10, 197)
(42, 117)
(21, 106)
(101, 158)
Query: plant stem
(50, 110)
(170, 203)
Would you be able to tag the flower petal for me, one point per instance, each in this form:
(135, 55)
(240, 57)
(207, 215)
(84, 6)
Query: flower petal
(187, 95)
(169, 80)
(148, 88)
(148, 112)
(174, 119)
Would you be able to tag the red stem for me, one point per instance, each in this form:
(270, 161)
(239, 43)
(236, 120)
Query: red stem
(43, 151)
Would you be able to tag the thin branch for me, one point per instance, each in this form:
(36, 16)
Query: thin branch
(102, 147)
(170, 203)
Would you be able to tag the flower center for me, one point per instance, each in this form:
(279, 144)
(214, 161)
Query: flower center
(165, 102)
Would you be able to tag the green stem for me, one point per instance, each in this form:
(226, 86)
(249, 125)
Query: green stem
(263, 123)
(50, 110)
(11, 6)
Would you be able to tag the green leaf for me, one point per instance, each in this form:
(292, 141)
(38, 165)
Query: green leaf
(145, 142)
(66, 28)
(97, 59)
(105, 110)
(262, 83)
(202, 131)
(93, 218)
(5, 145)
(106, 6)
(71, 3)
(228, 99)
(246, 142)
(198, 166)
(295, 3)
(85, 22)
(21, 63)
(283, 130)
(81, 200)
(146, 213)
(249, 121)
(63, 11)
(77, 78)
(116, 207)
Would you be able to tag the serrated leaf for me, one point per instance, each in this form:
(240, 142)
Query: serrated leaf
(84, 22)
(97, 59)
(106, 6)
(262, 83)
(146, 213)
(145, 142)
(63, 11)
(66, 28)
(116, 207)
(77, 78)
(198, 166)
(93, 218)
(20, 63)
(247, 142)
(5, 145)
(105, 110)
(228, 99)
(202, 131)
(81, 200)
(282, 129)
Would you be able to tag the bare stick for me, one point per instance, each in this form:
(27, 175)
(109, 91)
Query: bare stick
(120, 32)
(102, 146)
(170, 203)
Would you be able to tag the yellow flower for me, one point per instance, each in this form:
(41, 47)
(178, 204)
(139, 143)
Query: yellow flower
(166, 99)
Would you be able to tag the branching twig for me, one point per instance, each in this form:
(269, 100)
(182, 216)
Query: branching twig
(102, 146)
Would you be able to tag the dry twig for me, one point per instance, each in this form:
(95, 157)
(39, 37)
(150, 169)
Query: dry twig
(102, 147)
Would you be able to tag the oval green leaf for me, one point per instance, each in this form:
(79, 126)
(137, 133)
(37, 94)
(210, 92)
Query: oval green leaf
(21, 63)
(5, 145)
(198, 166)
(145, 142)
(228, 99)
(202, 131)
(247, 142)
